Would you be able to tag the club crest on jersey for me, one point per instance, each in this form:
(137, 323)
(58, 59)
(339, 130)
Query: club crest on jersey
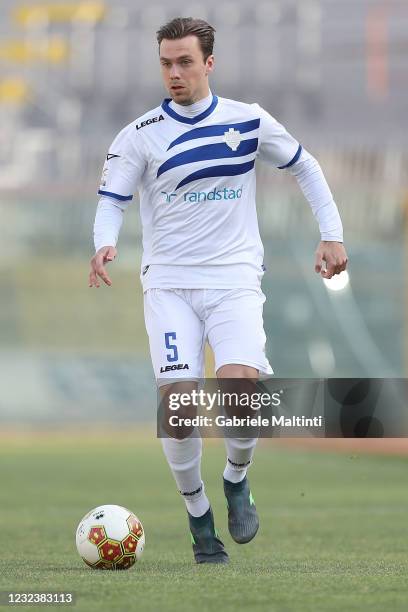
(232, 138)
(149, 121)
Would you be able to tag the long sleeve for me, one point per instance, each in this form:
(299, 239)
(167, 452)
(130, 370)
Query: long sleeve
(121, 174)
(279, 148)
(312, 182)
(108, 221)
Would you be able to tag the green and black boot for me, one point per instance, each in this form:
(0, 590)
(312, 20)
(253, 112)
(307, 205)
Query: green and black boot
(207, 546)
(243, 521)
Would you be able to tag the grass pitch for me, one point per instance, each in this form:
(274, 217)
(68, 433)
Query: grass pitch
(333, 532)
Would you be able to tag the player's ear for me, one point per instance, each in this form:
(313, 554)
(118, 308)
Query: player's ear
(209, 65)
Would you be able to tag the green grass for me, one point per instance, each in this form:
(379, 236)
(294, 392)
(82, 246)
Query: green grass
(333, 536)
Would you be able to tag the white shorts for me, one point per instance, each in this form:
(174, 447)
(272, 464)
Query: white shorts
(180, 321)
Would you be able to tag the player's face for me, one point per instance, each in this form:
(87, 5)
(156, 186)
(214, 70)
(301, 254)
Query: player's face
(184, 71)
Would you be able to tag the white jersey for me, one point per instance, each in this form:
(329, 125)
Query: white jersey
(196, 182)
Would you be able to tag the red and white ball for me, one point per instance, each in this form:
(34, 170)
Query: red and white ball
(110, 537)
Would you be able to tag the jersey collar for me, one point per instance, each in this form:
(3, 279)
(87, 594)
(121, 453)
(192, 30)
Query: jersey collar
(189, 120)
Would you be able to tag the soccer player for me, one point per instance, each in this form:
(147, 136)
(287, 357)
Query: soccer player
(192, 160)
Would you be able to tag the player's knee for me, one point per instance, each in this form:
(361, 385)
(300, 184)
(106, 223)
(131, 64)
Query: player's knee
(178, 409)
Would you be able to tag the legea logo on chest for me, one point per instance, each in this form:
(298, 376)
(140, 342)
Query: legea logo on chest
(149, 122)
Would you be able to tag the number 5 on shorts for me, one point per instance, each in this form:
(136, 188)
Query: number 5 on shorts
(172, 347)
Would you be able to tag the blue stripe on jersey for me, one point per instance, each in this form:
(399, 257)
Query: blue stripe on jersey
(293, 160)
(211, 151)
(115, 195)
(228, 170)
(190, 120)
(215, 130)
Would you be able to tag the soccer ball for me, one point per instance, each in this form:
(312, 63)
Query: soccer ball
(110, 537)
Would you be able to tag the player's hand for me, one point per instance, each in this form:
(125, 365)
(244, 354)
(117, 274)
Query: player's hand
(334, 255)
(98, 261)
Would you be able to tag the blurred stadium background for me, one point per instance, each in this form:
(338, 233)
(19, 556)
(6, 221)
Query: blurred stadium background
(74, 73)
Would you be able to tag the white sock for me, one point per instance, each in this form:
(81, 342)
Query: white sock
(184, 459)
(239, 457)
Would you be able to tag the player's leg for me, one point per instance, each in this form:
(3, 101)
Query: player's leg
(182, 447)
(236, 335)
(176, 337)
(243, 520)
(237, 338)
(240, 451)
